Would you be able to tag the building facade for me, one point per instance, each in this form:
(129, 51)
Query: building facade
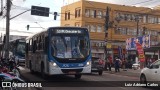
(124, 22)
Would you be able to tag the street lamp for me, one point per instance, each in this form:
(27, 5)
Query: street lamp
(39, 25)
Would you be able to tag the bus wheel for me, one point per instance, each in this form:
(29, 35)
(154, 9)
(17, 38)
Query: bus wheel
(78, 76)
(42, 72)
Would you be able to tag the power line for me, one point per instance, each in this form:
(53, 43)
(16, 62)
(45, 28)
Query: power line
(142, 2)
(153, 2)
(18, 31)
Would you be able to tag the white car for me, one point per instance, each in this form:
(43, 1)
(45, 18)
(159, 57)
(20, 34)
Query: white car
(136, 66)
(151, 73)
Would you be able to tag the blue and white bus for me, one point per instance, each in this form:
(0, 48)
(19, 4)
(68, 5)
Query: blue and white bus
(59, 50)
(16, 49)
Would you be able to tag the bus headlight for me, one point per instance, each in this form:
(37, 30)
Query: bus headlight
(53, 64)
(88, 63)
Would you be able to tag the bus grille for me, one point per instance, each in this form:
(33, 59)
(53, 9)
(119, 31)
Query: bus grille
(71, 70)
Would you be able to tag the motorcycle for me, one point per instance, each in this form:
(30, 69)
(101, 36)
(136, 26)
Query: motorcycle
(9, 77)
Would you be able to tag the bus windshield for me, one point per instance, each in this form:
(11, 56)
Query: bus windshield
(21, 49)
(70, 46)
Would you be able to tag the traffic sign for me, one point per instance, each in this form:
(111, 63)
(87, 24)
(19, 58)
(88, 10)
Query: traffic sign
(40, 11)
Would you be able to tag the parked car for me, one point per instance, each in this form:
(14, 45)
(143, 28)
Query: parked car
(97, 65)
(151, 73)
(136, 66)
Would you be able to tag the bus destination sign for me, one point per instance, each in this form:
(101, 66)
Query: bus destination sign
(69, 31)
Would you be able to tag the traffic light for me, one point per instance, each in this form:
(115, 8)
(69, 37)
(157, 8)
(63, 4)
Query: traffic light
(55, 15)
(27, 27)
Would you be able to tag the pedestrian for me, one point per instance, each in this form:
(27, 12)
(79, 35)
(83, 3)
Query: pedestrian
(110, 63)
(117, 64)
(124, 64)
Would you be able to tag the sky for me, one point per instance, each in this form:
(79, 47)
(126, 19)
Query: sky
(18, 6)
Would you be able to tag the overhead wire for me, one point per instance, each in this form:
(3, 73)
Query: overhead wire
(142, 2)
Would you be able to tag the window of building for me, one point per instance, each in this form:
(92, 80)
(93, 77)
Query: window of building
(87, 12)
(68, 15)
(134, 32)
(104, 14)
(87, 26)
(99, 14)
(92, 28)
(140, 32)
(123, 31)
(93, 13)
(150, 19)
(99, 28)
(158, 20)
(117, 30)
(144, 19)
(77, 12)
(129, 31)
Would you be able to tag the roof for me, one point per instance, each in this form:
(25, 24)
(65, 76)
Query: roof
(54, 27)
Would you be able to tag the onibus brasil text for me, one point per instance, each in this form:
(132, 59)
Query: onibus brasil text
(21, 84)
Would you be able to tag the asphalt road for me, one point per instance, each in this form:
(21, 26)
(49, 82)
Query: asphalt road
(108, 81)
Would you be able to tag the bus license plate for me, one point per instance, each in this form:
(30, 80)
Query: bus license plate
(72, 72)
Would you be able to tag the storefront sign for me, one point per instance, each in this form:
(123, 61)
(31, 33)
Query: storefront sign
(109, 46)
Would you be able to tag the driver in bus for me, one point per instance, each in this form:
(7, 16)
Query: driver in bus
(76, 51)
(58, 46)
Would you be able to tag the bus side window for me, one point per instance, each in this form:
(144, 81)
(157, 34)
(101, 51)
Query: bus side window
(34, 46)
(26, 47)
(40, 43)
(46, 44)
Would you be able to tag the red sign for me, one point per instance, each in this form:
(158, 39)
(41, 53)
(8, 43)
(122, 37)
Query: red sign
(141, 56)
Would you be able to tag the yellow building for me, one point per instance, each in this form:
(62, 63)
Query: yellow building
(124, 22)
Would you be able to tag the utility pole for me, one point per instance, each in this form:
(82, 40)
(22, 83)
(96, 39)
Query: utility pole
(106, 32)
(1, 12)
(137, 20)
(7, 29)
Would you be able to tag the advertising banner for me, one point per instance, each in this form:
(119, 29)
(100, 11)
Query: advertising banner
(141, 56)
(143, 40)
(120, 52)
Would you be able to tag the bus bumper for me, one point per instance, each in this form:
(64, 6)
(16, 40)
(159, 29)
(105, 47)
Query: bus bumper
(70, 71)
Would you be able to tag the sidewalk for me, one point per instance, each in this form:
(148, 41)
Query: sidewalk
(128, 72)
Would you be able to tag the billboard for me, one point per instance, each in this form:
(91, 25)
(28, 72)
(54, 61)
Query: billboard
(143, 40)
